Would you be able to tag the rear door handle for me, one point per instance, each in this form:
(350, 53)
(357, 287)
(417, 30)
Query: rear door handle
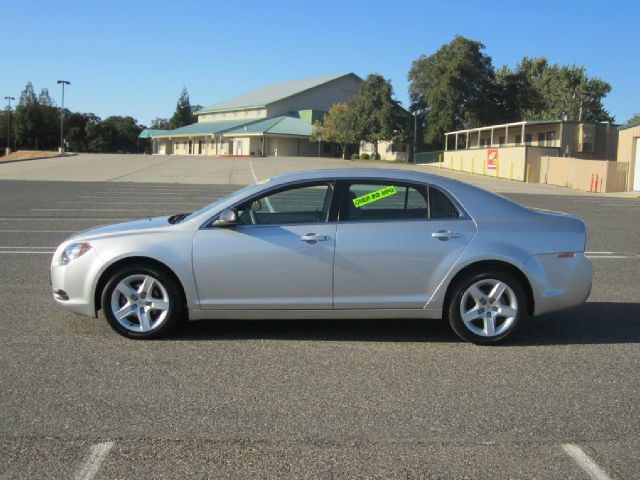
(314, 237)
(445, 235)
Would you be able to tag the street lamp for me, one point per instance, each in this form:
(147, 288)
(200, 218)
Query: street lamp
(8, 149)
(415, 134)
(63, 82)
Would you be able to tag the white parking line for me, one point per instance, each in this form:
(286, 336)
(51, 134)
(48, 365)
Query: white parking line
(98, 209)
(24, 247)
(38, 231)
(27, 252)
(585, 462)
(253, 174)
(610, 255)
(58, 219)
(91, 465)
(161, 202)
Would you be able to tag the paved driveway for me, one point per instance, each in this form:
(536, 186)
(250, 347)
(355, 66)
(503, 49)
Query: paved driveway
(389, 399)
(217, 171)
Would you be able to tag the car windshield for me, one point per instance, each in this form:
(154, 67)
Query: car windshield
(235, 194)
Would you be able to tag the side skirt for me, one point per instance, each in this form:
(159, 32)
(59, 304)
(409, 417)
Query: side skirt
(312, 314)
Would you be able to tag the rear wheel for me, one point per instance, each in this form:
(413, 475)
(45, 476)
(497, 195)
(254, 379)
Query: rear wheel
(487, 308)
(142, 302)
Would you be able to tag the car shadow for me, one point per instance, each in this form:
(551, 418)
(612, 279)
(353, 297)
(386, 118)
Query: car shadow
(591, 323)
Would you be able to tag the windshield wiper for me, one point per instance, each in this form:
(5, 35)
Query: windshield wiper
(178, 217)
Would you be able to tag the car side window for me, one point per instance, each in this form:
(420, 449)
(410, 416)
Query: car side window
(306, 204)
(371, 202)
(440, 206)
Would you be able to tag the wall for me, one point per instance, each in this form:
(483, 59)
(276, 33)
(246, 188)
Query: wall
(534, 162)
(582, 174)
(627, 151)
(385, 150)
(321, 98)
(249, 114)
(511, 162)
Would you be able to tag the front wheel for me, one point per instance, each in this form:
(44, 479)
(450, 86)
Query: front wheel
(486, 308)
(142, 302)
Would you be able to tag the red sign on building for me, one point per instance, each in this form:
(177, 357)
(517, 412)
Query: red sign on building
(492, 158)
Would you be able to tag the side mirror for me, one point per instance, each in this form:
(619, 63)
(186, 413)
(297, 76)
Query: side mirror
(227, 218)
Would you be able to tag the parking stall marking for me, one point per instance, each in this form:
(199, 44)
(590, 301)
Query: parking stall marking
(585, 462)
(610, 255)
(91, 465)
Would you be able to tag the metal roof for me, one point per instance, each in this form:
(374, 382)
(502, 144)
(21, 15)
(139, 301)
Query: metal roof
(283, 125)
(271, 93)
(151, 132)
(201, 128)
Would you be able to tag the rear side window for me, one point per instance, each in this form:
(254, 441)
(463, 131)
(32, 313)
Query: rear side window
(440, 205)
(371, 202)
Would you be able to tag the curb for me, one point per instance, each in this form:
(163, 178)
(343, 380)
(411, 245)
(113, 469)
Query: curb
(2, 162)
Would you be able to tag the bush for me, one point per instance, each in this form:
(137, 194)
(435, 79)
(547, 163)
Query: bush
(364, 156)
(355, 156)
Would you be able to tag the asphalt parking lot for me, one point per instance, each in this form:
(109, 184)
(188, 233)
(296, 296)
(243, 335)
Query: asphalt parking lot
(342, 399)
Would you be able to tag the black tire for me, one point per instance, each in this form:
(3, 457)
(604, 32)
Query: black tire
(508, 324)
(174, 313)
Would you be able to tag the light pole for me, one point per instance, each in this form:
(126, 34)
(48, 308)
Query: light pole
(63, 82)
(415, 134)
(8, 149)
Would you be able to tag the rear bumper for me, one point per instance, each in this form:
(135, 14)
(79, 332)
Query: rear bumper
(559, 283)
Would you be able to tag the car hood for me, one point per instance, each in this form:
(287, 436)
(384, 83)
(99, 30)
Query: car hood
(122, 228)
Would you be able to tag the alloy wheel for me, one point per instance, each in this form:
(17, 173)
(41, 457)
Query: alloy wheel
(140, 303)
(488, 308)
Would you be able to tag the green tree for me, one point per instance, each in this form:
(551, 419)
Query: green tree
(114, 134)
(183, 114)
(78, 126)
(537, 90)
(453, 89)
(632, 121)
(49, 131)
(376, 115)
(28, 117)
(338, 127)
(160, 124)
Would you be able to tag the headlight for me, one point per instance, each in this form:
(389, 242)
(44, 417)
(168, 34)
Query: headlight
(73, 251)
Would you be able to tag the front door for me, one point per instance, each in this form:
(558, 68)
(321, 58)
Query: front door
(279, 257)
(396, 242)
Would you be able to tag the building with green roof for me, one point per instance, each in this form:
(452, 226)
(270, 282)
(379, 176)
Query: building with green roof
(274, 120)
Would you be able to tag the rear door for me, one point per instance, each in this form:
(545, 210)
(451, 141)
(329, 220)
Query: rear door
(395, 243)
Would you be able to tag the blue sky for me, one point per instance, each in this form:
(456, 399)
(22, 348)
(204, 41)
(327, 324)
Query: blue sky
(133, 57)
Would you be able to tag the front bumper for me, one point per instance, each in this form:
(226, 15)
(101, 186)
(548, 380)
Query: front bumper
(559, 283)
(73, 285)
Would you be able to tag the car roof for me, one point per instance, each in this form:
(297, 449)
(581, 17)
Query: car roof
(377, 173)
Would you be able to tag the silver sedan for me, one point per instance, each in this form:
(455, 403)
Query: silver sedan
(356, 243)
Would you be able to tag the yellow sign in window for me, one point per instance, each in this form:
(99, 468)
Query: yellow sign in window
(374, 196)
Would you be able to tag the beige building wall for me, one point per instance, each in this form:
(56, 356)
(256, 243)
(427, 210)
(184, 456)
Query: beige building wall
(511, 162)
(240, 114)
(583, 174)
(387, 151)
(628, 145)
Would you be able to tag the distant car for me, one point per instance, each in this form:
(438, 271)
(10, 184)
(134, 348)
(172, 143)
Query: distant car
(353, 243)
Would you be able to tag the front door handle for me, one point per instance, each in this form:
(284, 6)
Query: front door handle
(445, 235)
(314, 237)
